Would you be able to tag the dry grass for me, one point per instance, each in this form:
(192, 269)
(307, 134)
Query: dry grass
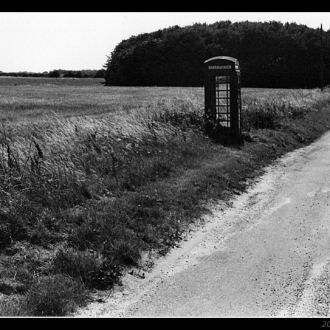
(82, 197)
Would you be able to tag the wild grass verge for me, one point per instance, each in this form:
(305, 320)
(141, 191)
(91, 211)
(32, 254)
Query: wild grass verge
(83, 198)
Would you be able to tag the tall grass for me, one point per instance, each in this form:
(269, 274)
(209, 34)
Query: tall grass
(267, 111)
(62, 181)
(93, 193)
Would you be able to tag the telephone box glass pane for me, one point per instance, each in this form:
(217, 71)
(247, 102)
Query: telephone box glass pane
(223, 94)
(222, 100)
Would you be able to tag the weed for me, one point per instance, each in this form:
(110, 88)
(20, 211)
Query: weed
(83, 196)
(55, 295)
(85, 266)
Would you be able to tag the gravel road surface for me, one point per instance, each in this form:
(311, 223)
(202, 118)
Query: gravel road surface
(267, 255)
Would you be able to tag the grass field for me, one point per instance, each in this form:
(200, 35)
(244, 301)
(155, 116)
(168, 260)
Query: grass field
(94, 177)
(31, 98)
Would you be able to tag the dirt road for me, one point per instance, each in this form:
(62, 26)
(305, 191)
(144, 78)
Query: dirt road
(267, 255)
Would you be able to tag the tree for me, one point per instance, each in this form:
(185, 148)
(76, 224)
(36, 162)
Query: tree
(78, 74)
(271, 54)
(69, 74)
(54, 74)
(100, 74)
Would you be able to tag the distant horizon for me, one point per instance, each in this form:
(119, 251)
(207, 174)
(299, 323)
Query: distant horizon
(49, 70)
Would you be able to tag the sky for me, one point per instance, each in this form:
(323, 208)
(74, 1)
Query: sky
(45, 41)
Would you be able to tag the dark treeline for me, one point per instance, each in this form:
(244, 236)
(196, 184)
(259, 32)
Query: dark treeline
(271, 54)
(57, 74)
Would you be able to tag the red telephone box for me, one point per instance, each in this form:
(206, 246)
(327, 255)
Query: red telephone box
(222, 88)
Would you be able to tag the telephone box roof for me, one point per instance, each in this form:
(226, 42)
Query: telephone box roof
(228, 58)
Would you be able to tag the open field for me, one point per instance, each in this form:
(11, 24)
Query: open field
(93, 177)
(25, 99)
(32, 98)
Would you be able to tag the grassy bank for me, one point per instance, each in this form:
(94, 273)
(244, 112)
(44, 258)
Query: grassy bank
(83, 197)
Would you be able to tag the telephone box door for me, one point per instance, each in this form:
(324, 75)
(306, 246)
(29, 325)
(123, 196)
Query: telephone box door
(223, 93)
